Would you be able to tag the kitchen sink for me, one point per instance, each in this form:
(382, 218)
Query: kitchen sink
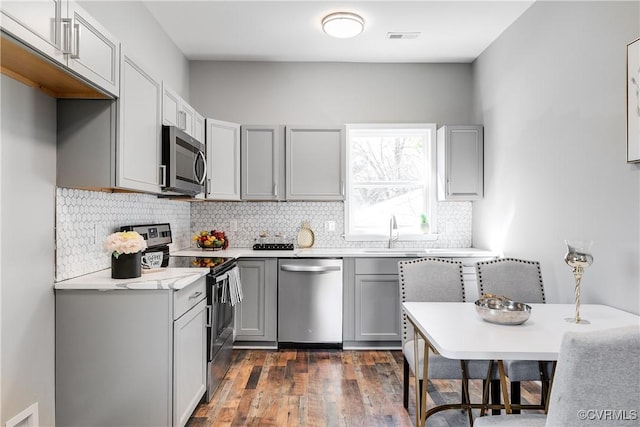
(399, 251)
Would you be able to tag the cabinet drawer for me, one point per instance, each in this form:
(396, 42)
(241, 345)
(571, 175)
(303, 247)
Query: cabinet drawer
(189, 296)
(378, 265)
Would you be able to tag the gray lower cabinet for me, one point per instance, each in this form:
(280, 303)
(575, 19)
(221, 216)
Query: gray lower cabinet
(130, 357)
(372, 308)
(256, 316)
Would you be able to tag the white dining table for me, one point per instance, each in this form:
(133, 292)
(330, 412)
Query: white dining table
(456, 331)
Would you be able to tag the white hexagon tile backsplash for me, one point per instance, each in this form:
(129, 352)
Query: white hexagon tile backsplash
(84, 219)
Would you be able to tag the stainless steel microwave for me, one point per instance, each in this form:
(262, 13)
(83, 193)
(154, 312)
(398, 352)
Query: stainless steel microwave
(183, 162)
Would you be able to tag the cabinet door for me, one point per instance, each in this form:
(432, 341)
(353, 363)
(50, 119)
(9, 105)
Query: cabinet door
(223, 160)
(170, 106)
(377, 310)
(256, 315)
(460, 162)
(199, 125)
(315, 165)
(140, 129)
(262, 163)
(95, 54)
(189, 362)
(188, 118)
(37, 23)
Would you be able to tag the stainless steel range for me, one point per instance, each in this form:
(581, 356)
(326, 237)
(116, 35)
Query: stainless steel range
(222, 285)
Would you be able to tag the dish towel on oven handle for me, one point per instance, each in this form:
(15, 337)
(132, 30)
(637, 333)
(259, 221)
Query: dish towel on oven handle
(235, 286)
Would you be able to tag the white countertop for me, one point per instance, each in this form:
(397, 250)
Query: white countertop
(160, 278)
(340, 253)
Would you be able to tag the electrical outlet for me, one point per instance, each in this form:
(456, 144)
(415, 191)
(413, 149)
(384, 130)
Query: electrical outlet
(330, 226)
(233, 225)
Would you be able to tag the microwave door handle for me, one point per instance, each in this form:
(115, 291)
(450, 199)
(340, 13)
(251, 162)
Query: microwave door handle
(200, 156)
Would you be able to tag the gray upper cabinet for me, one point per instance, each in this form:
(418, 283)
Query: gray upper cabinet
(93, 52)
(36, 23)
(139, 130)
(315, 163)
(67, 34)
(460, 162)
(177, 112)
(223, 160)
(262, 166)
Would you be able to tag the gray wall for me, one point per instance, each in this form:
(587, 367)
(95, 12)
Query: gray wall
(143, 38)
(551, 95)
(28, 135)
(331, 93)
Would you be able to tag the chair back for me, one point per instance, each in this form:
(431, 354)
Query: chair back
(429, 280)
(597, 379)
(518, 279)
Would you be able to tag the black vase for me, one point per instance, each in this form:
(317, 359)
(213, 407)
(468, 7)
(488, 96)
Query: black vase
(126, 266)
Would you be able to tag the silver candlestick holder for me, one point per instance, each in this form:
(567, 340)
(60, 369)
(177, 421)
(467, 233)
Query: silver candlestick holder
(578, 257)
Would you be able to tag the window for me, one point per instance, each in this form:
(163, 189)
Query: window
(390, 171)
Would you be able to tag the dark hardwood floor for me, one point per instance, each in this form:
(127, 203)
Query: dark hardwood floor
(326, 388)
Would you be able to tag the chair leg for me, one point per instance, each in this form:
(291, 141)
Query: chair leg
(495, 396)
(515, 395)
(405, 385)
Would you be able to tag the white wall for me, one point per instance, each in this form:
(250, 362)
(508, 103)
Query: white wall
(143, 38)
(28, 177)
(331, 93)
(551, 95)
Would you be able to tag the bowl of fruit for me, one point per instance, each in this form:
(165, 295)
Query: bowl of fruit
(213, 240)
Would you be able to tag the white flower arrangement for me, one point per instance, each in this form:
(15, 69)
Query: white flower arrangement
(124, 242)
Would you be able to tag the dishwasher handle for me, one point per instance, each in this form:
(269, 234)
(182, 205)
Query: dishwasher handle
(310, 268)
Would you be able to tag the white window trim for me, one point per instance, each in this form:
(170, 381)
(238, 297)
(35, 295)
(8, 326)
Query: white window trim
(432, 199)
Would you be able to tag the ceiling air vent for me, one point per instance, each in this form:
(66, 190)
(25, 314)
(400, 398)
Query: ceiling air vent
(403, 35)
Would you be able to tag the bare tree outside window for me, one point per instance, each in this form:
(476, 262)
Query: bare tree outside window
(388, 174)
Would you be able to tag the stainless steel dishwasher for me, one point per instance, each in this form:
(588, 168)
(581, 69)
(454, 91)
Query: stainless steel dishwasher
(310, 303)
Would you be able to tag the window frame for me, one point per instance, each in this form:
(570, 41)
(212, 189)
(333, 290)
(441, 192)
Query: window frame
(431, 199)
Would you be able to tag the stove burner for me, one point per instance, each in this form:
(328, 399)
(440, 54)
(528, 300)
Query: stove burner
(273, 247)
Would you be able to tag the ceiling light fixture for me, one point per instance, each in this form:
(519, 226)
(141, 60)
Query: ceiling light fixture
(343, 24)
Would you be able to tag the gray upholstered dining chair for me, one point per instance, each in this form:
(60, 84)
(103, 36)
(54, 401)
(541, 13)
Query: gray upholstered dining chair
(519, 280)
(433, 280)
(596, 383)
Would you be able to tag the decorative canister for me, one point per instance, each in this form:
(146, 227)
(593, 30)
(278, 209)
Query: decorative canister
(305, 236)
(126, 266)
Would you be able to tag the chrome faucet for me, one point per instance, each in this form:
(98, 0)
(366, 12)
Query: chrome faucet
(393, 225)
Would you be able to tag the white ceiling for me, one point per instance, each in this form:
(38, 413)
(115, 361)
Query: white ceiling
(451, 31)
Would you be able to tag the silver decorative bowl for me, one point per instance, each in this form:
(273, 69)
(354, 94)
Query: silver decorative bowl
(503, 311)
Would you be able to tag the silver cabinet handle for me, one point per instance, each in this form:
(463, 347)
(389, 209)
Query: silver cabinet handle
(66, 36)
(195, 295)
(275, 188)
(342, 189)
(309, 268)
(163, 175)
(207, 188)
(76, 30)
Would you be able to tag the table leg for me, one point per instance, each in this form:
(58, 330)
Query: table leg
(503, 383)
(425, 380)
